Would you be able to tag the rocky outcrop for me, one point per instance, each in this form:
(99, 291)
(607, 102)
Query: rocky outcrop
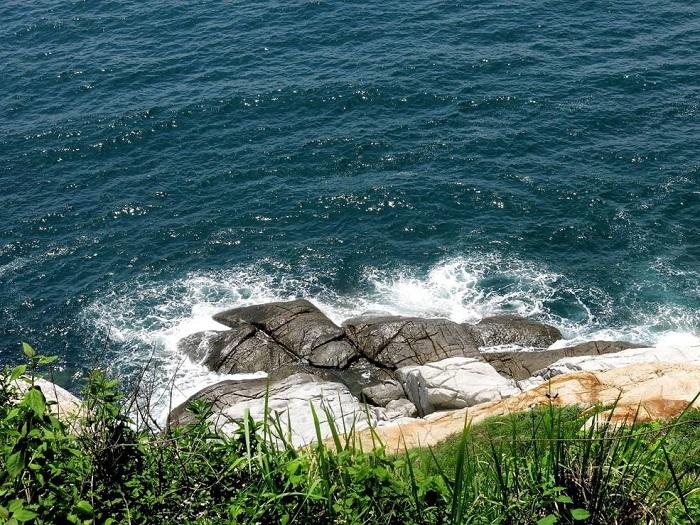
(610, 361)
(522, 365)
(452, 383)
(299, 327)
(393, 342)
(289, 404)
(400, 366)
(652, 391)
(515, 330)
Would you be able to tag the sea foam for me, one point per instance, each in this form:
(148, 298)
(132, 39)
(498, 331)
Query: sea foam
(145, 320)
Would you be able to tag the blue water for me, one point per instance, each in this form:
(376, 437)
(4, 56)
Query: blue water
(162, 160)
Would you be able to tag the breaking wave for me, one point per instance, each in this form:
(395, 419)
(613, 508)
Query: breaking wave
(145, 320)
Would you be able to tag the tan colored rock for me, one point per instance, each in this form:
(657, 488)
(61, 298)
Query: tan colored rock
(658, 390)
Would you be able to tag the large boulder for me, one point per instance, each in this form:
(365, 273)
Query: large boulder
(394, 341)
(299, 327)
(522, 365)
(243, 349)
(515, 330)
(452, 383)
(289, 403)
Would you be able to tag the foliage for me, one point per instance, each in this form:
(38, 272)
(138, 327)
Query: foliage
(537, 468)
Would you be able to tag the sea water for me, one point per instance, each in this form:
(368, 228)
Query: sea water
(161, 161)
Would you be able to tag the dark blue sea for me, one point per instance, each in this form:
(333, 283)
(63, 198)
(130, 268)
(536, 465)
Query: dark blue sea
(160, 161)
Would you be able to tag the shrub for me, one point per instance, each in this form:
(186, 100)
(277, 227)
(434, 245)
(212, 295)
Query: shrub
(534, 468)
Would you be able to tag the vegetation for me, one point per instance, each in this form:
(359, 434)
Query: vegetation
(538, 468)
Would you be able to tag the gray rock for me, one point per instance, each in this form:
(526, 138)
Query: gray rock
(395, 410)
(395, 341)
(299, 327)
(623, 358)
(243, 349)
(513, 329)
(383, 393)
(456, 382)
(289, 402)
(522, 365)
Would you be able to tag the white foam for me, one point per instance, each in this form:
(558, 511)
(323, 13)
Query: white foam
(149, 318)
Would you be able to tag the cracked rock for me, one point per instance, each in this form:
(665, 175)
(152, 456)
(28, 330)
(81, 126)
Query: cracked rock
(393, 341)
(456, 382)
(299, 327)
(243, 349)
(521, 365)
(513, 329)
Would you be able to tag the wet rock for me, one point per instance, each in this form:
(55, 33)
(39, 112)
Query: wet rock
(513, 329)
(452, 383)
(383, 393)
(393, 342)
(289, 403)
(522, 365)
(299, 327)
(243, 349)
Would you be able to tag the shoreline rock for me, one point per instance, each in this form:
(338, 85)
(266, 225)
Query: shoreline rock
(402, 365)
(651, 391)
(523, 365)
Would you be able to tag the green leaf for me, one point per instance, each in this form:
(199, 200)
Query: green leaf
(563, 499)
(35, 400)
(84, 508)
(580, 514)
(17, 372)
(549, 519)
(48, 360)
(23, 515)
(14, 466)
(28, 350)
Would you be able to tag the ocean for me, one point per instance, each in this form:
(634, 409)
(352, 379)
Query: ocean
(161, 161)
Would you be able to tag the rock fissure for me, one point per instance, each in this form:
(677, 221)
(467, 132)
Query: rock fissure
(400, 365)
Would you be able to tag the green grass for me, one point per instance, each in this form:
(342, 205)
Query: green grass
(530, 468)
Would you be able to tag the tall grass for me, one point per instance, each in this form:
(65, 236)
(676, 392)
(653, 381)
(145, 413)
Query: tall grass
(538, 467)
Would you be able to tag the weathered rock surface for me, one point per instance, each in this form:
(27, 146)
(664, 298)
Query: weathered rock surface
(436, 363)
(610, 361)
(452, 383)
(396, 410)
(514, 329)
(299, 327)
(522, 365)
(395, 341)
(243, 349)
(656, 390)
(383, 393)
(289, 399)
